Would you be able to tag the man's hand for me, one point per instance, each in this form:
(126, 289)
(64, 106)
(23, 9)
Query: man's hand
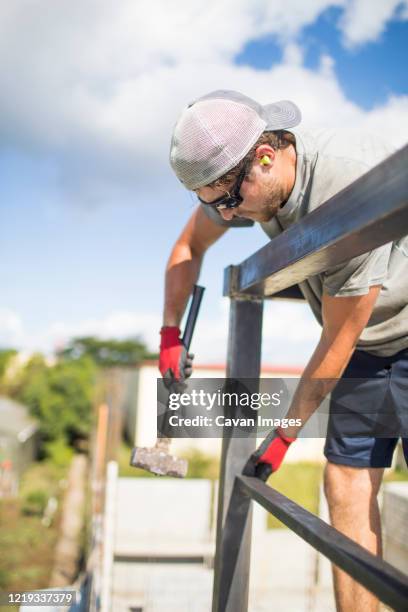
(175, 364)
(268, 456)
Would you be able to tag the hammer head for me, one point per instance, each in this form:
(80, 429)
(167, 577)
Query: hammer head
(158, 461)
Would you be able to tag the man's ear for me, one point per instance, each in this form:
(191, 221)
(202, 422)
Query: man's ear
(265, 155)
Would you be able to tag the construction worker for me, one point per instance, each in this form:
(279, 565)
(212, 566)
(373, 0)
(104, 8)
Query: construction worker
(249, 163)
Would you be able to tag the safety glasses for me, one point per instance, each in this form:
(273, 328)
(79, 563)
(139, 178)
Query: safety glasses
(233, 198)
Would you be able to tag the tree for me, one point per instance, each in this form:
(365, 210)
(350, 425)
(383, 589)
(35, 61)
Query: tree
(6, 356)
(59, 396)
(107, 353)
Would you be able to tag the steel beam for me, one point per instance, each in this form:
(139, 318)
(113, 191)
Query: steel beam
(368, 213)
(389, 584)
(232, 558)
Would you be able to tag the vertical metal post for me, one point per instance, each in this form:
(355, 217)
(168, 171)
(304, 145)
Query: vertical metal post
(234, 519)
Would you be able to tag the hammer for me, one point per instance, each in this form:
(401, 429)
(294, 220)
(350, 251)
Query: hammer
(157, 459)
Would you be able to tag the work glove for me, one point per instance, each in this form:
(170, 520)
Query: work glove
(268, 456)
(175, 363)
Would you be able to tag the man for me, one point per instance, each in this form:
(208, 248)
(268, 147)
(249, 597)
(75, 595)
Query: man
(247, 163)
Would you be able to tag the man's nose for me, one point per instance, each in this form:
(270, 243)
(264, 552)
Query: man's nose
(227, 213)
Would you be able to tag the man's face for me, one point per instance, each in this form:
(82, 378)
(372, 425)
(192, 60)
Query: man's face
(263, 191)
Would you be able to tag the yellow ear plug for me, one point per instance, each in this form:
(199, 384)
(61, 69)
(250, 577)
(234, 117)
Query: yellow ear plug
(265, 160)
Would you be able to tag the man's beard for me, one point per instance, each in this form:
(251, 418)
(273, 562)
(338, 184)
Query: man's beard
(274, 198)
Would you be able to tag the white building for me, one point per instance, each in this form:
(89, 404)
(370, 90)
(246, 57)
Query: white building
(140, 410)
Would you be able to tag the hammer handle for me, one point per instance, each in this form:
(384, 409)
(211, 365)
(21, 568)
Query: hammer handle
(192, 315)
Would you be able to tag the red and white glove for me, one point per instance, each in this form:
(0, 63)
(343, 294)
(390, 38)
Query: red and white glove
(175, 363)
(268, 456)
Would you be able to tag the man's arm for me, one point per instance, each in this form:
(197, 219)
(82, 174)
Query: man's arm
(344, 319)
(184, 264)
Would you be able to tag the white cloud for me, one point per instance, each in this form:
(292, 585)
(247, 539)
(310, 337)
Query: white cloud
(392, 118)
(365, 20)
(98, 85)
(14, 334)
(289, 336)
(289, 332)
(84, 71)
(293, 54)
(115, 325)
(11, 329)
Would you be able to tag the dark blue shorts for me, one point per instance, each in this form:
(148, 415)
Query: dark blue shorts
(373, 399)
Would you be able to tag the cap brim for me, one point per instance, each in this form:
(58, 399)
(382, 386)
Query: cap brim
(281, 115)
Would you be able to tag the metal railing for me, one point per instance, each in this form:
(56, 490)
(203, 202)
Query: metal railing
(370, 212)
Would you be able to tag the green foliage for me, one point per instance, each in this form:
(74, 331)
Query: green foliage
(59, 396)
(107, 353)
(45, 475)
(35, 503)
(59, 453)
(3, 578)
(5, 356)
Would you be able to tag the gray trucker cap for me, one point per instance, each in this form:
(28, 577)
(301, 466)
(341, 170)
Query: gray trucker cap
(217, 130)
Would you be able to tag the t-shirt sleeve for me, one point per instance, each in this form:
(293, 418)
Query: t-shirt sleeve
(215, 216)
(356, 276)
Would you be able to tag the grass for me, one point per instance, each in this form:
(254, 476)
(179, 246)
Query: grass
(396, 475)
(27, 547)
(43, 475)
(300, 482)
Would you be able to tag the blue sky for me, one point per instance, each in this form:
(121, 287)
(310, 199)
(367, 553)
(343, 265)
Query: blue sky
(368, 74)
(88, 206)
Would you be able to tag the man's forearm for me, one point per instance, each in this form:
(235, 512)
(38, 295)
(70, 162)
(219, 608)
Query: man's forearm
(344, 319)
(182, 272)
(319, 378)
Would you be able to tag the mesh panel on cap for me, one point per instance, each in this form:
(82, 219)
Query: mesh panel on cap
(211, 137)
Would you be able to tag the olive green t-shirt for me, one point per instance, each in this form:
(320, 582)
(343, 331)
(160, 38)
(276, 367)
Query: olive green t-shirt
(327, 162)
